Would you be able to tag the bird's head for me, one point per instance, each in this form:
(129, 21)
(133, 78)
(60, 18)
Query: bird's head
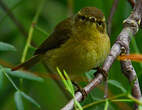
(90, 17)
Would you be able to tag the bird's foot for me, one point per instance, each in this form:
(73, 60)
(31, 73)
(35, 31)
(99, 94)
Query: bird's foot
(80, 89)
(105, 75)
(102, 71)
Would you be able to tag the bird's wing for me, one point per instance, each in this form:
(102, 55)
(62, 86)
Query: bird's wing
(60, 35)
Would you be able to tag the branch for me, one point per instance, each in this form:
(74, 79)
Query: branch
(13, 18)
(133, 2)
(131, 26)
(113, 9)
(127, 67)
(131, 75)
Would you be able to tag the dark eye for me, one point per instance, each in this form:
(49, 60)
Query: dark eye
(82, 17)
(92, 19)
(99, 23)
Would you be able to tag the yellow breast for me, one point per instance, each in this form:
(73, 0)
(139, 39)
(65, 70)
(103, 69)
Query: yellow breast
(78, 56)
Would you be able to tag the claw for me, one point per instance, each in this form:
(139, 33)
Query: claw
(102, 71)
(80, 89)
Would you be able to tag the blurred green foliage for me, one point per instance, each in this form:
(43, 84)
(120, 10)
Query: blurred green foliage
(47, 93)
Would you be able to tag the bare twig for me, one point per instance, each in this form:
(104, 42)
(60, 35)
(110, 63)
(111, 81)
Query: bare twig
(131, 75)
(129, 71)
(131, 26)
(11, 15)
(109, 24)
(113, 9)
(15, 20)
(133, 2)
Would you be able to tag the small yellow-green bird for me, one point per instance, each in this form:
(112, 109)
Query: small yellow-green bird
(78, 44)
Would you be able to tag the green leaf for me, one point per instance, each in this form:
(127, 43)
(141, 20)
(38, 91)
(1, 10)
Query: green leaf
(2, 70)
(30, 99)
(117, 84)
(6, 47)
(62, 77)
(24, 75)
(18, 100)
(1, 80)
(68, 84)
(71, 89)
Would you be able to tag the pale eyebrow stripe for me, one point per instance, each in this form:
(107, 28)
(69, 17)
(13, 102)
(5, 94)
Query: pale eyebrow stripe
(103, 19)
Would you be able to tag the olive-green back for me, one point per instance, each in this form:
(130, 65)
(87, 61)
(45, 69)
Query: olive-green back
(60, 35)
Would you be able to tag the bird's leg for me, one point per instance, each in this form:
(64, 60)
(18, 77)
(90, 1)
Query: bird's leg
(104, 73)
(80, 89)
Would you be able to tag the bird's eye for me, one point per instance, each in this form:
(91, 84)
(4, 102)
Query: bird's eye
(82, 17)
(99, 23)
(92, 19)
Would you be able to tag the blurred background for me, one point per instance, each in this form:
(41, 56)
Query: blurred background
(47, 93)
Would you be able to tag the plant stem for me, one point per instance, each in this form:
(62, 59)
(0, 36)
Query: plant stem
(134, 99)
(31, 30)
(106, 104)
(101, 101)
(41, 30)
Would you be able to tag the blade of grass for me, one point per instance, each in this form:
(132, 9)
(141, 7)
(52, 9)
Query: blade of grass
(6, 47)
(8, 77)
(62, 77)
(77, 105)
(30, 99)
(24, 75)
(68, 84)
(18, 93)
(18, 100)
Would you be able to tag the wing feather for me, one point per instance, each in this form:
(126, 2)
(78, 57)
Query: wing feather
(60, 35)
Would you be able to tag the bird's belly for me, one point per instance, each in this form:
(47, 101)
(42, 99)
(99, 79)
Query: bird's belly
(75, 59)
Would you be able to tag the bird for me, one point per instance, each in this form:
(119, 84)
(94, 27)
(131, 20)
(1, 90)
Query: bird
(78, 44)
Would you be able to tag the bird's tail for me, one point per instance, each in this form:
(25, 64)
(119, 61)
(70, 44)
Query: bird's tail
(29, 63)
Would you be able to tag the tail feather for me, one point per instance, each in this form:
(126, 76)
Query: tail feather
(29, 63)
